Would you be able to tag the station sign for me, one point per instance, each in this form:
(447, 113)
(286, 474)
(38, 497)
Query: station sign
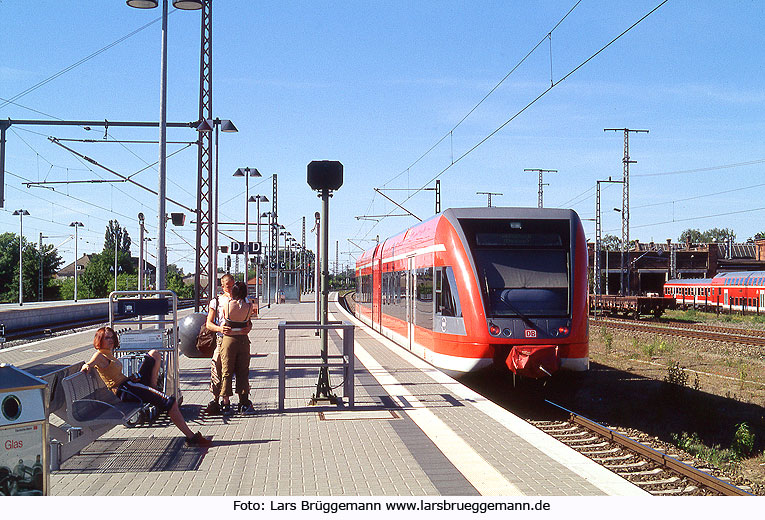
(237, 248)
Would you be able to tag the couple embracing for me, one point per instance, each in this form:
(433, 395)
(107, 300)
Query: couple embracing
(230, 316)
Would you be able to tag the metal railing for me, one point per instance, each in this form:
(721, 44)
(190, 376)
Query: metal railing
(344, 360)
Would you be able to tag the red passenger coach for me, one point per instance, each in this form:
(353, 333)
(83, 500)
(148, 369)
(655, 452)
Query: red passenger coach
(733, 291)
(475, 287)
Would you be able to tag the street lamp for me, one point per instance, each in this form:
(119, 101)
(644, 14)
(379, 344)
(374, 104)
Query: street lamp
(75, 225)
(207, 125)
(21, 213)
(246, 173)
(257, 199)
(186, 5)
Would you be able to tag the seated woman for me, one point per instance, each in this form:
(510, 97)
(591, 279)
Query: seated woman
(137, 388)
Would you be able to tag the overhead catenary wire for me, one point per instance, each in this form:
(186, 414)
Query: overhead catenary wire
(526, 107)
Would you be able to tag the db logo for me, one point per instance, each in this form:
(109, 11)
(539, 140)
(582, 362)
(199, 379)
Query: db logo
(531, 333)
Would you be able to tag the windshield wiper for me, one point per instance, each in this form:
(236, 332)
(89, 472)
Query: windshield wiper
(515, 309)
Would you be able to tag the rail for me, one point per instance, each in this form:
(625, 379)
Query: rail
(662, 459)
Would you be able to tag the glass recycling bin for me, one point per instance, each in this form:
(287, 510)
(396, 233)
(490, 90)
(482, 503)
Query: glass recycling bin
(23, 433)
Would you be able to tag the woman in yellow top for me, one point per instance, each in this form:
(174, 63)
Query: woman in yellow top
(141, 388)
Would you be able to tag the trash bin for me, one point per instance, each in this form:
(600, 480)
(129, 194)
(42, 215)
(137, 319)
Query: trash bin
(23, 433)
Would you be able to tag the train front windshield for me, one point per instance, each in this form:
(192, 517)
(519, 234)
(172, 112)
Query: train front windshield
(524, 266)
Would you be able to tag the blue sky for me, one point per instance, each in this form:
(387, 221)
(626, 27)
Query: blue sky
(375, 85)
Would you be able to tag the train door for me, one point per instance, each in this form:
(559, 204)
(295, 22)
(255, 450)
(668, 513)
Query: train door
(379, 290)
(725, 297)
(411, 284)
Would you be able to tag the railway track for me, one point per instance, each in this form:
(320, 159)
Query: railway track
(688, 330)
(648, 467)
(649, 464)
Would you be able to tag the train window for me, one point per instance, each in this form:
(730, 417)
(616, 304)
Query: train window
(528, 282)
(423, 304)
(447, 298)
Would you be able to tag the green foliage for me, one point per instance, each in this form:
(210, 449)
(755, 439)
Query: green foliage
(743, 441)
(655, 347)
(741, 447)
(9, 269)
(611, 243)
(694, 236)
(608, 338)
(113, 229)
(714, 455)
(175, 283)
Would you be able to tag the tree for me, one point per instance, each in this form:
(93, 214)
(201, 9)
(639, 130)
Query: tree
(719, 235)
(175, 284)
(693, 236)
(113, 229)
(611, 243)
(9, 269)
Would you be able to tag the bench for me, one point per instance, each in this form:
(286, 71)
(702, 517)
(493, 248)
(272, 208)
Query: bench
(91, 404)
(87, 409)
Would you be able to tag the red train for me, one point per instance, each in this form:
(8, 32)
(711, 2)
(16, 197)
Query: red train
(742, 291)
(475, 287)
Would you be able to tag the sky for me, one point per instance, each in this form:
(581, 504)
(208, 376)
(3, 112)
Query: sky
(402, 93)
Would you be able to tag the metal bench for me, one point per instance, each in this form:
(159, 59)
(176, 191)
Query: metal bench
(91, 404)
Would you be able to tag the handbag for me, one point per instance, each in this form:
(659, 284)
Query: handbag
(206, 342)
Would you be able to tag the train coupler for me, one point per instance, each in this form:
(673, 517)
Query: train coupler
(533, 361)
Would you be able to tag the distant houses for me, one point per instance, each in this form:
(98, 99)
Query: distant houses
(82, 263)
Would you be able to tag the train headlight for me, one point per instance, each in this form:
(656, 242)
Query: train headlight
(494, 330)
(562, 331)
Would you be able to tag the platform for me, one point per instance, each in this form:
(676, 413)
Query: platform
(413, 432)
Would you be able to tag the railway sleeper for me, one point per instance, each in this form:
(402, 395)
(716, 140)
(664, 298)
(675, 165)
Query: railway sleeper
(653, 471)
(591, 438)
(675, 491)
(596, 445)
(660, 482)
(600, 452)
(558, 428)
(605, 460)
(638, 464)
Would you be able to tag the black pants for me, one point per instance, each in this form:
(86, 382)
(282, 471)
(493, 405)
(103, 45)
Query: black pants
(142, 391)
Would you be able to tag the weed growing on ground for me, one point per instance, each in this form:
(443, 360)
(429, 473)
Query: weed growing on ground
(743, 441)
(608, 338)
(653, 347)
(742, 373)
(676, 375)
(721, 458)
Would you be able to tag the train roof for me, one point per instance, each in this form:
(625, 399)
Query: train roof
(509, 212)
(718, 277)
(425, 229)
(741, 274)
(690, 281)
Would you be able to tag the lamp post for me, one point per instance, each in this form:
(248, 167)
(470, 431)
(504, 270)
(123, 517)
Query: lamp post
(257, 199)
(207, 125)
(246, 173)
(75, 225)
(21, 213)
(267, 214)
(186, 5)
